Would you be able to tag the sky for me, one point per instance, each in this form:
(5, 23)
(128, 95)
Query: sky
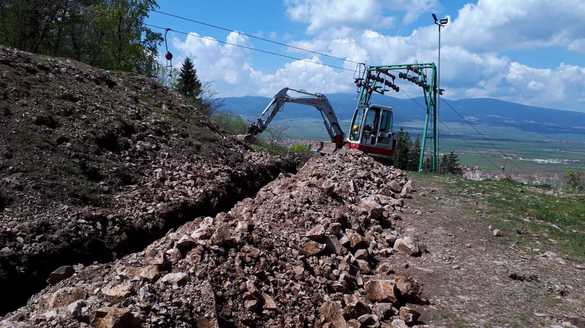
(526, 51)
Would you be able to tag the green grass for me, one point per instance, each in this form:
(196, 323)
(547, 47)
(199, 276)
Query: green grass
(515, 207)
(521, 148)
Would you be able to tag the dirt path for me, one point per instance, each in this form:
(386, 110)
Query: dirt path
(476, 279)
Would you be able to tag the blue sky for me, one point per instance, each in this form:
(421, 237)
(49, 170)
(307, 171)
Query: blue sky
(529, 51)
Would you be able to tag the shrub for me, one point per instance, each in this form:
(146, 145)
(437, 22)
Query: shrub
(575, 180)
(230, 123)
(300, 149)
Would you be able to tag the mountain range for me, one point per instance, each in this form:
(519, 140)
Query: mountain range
(485, 112)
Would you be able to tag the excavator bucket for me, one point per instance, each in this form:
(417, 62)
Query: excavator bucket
(325, 148)
(248, 139)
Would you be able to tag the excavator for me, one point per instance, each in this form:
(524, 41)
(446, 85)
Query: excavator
(371, 127)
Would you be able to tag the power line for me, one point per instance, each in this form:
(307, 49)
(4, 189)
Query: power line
(247, 47)
(423, 108)
(252, 36)
(481, 134)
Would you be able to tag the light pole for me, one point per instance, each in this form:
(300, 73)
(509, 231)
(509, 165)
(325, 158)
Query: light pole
(440, 24)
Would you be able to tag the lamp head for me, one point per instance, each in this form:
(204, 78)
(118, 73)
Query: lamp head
(435, 18)
(444, 21)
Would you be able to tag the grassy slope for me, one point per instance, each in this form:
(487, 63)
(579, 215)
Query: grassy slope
(535, 218)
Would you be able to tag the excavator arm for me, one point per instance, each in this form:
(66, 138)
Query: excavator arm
(319, 101)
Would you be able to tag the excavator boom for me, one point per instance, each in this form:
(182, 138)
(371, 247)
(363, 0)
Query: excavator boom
(319, 101)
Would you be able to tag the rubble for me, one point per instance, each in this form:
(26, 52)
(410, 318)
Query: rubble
(270, 261)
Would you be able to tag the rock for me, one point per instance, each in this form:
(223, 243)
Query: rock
(117, 292)
(397, 323)
(333, 245)
(154, 257)
(150, 272)
(353, 240)
(175, 278)
(497, 233)
(361, 254)
(407, 287)
(408, 315)
(372, 208)
(383, 310)
(354, 306)
(185, 244)
(380, 290)
(368, 319)
(407, 188)
(63, 297)
(406, 245)
(395, 186)
(389, 238)
(269, 303)
(61, 273)
(364, 266)
(316, 233)
(223, 236)
(115, 318)
(335, 228)
(298, 271)
(251, 304)
(206, 323)
(330, 312)
(312, 248)
(353, 323)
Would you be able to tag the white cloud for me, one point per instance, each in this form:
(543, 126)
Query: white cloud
(229, 69)
(472, 67)
(327, 13)
(560, 86)
(502, 24)
(320, 14)
(578, 45)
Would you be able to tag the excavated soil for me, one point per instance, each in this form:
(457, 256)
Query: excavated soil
(314, 249)
(96, 164)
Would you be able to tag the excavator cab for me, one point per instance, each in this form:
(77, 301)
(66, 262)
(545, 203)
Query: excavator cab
(371, 130)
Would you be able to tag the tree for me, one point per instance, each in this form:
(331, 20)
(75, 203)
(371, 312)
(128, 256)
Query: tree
(450, 164)
(188, 83)
(401, 152)
(105, 33)
(413, 155)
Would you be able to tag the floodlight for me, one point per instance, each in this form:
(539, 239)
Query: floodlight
(444, 21)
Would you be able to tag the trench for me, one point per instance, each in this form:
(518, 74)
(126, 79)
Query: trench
(18, 285)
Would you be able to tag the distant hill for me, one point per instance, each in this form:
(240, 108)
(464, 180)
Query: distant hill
(479, 111)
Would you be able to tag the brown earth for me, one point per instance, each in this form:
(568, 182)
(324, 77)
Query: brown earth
(477, 279)
(314, 249)
(97, 164)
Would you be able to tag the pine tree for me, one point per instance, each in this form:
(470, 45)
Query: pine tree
(188, 83)
(401, 157)
(450, 164)
(413, 155)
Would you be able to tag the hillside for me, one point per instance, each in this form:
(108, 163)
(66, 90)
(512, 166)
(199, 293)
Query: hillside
(97, 164)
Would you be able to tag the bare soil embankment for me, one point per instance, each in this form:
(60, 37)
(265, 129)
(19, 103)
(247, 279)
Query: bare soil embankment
(97, 164)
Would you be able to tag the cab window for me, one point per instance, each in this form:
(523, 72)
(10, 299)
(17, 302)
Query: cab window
(371, 123)
(356, 124)
(385, 135)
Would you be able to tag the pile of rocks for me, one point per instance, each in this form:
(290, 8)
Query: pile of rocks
(311, 249)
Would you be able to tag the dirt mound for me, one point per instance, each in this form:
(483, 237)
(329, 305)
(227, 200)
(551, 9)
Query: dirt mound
(311, 249)
(94, 164)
